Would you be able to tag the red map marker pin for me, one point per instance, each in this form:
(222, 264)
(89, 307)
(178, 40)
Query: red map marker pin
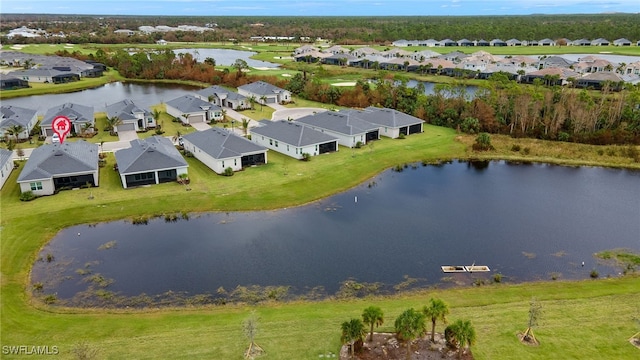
(62, 126)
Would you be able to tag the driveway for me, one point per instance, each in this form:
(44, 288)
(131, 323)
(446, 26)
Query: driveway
(127, 135)
(294, 113)
(201, 126)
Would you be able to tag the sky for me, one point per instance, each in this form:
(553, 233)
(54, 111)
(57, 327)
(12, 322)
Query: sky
(318, 7)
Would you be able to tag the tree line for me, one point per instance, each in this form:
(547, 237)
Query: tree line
(498, 106)
(344, 30)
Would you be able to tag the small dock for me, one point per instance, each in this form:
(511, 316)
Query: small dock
(462, 268)
(453, 269)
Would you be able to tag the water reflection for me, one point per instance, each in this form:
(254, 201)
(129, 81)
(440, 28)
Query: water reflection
(524, 222)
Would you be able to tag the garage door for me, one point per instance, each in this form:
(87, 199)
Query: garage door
(49, 132)
(126, 127)
(271, 100)
(196, 119)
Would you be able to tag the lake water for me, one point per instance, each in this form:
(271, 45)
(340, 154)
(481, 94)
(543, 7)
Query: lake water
(526, 222)
(226, 57)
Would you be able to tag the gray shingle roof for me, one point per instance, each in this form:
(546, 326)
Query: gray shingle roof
(5, 156)
(190, 104)
(124, 110)
(52, 160)
(222, 144)
(385, 117)
(13, 115)
(220, 92)
(153, 153)
(291, 133)
(261, 88)
(75, 112)
(340, 122)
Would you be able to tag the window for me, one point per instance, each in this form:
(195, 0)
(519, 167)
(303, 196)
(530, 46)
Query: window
(223, 164)
(235, 162)
(270, 141)
(36, 185)
(287, 147)
(276, 143)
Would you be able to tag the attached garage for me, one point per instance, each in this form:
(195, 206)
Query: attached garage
(271, 100)
(196, 118)
(126, 127)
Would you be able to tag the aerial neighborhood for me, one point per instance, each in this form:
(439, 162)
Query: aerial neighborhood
(55, 166)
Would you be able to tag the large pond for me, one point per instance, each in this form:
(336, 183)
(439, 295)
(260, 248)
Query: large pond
(226, 57)
(526, 222)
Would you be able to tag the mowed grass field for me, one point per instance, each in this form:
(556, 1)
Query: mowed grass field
(580, 319)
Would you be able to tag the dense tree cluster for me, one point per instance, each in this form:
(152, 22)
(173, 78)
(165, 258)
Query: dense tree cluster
(344, 30)
(499, 106)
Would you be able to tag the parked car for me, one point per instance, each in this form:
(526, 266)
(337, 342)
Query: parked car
(55, 139)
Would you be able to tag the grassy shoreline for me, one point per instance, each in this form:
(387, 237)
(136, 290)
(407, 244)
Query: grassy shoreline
(496, 311)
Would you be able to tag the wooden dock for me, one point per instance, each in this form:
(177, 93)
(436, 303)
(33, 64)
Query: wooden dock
(461, 268)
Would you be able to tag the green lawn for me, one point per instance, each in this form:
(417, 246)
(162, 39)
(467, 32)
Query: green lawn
(580, 318)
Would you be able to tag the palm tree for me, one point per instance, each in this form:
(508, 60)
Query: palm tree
(112, 123)
(245, 125)
(410, 325)
(352, 331)
(436, 309)
(263, 100)
(371, 316)
(252, 102)
(86, 127)
(224, 115)
(464, 334)
(15, 130)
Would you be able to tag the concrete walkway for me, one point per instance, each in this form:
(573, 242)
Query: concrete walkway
(294, 113)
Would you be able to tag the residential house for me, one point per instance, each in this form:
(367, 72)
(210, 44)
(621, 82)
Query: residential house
(304, 49)
(391, 53)
(497, 42)
(82, 118)
(424, 55)
(581, 42)
(223, 98)
(10, 82)
(55, 167)
(551, 76)
(336, 49)
(292, 139)
(191, 109)
(340, 59)
(554, 61)
(6, 165)
(265, 93)
(546, 42)
(600, 42)
(311, 57)
(448, 42)
(599, 80)
(346, 126)
(131, 116)
(220, 149)
(14, 116)
(161, 42)
(514, 42)
(430, 43)
(126, 32)
(590, 64)
(364, 51)
(153, 160)
(392, 123)
(482, 42)
(465, 42)
(45, 75)
(400, 64)
(454, 56)
(632, 68)
(621, 42)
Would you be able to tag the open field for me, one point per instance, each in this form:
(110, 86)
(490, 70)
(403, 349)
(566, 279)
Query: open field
(580, 318)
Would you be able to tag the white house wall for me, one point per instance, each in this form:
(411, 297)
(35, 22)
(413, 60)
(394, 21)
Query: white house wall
(286, 149)
(5, 172)
(217, 165)
(47, 187)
